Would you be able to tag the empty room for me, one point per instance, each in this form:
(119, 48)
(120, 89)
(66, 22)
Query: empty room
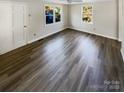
(61, 45)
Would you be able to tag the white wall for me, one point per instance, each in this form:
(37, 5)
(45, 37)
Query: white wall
(36, 23)
(121, 23)
(104, 16)
(6, 43)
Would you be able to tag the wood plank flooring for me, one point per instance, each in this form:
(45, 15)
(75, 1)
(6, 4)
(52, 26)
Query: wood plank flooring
(67, 61)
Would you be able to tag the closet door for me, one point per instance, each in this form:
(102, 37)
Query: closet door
(19, 27)
(6, 41)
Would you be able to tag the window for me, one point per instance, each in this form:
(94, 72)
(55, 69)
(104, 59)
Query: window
(53, 14)
(87, 13)
(49, 14)
(57, 14)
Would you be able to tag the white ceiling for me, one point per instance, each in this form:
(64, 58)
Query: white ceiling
(64, 1)
(73, 1)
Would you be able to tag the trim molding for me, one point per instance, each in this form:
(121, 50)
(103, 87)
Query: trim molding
(47, 35)
(29, 42)
(94, 33)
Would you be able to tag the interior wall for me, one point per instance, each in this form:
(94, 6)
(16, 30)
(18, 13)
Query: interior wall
(37, 28)
(121, 24)
(104, 18)
(6, 39)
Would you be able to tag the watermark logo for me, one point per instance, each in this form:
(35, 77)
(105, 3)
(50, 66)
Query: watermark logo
(107, 85)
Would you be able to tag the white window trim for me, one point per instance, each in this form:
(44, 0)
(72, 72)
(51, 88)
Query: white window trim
(53, 6)
(91, 23)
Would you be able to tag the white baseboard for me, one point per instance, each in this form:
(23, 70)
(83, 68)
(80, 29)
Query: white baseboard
(45, 36)
(33, 40)
(93, 33)
(59, 31)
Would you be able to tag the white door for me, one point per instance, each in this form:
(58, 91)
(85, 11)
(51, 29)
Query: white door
(19, 25)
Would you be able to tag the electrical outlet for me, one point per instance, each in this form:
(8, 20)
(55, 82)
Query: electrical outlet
(29, 15)
(35, 34)
(94, 29)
